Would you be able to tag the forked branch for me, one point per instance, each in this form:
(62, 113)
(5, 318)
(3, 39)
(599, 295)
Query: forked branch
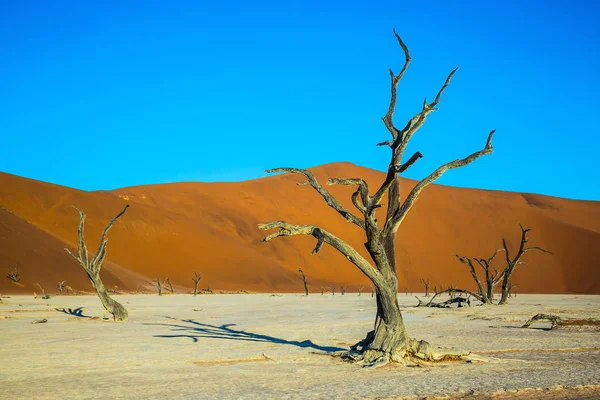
(322, 236)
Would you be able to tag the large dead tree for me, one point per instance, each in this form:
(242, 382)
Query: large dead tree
(492, 277)
(389, 339)
(512, 263)
(92, 266)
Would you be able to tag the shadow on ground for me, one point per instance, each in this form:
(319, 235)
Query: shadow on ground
(77, 312)
(198, 330)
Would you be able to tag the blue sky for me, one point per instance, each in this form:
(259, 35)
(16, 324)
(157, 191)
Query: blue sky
(121, 93)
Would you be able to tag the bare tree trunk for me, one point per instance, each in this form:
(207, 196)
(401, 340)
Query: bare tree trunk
(196, 279)
(360, 289)
(304, 279)
(168, 281)
(343, 290)
(92, 267)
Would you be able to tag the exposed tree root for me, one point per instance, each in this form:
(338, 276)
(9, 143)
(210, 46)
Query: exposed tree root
(412, 354)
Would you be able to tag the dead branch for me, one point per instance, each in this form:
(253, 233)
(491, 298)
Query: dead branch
(14, 274)
(61, 285)
(44, 295)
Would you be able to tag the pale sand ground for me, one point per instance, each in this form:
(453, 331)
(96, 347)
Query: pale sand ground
(168, 350)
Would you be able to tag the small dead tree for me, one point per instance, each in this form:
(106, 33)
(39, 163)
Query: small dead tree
(389, 339)
(373, 290)
(322, 290)
(61, 285)
(425, 284)
(169, 286)
(304, 279)
(44, 295)
(332, 291)
(14, 274)
(343, 290)
(92, 266)
(158, 284)
(492, 277)
(360, 289)
(512, 263)
(197, 277)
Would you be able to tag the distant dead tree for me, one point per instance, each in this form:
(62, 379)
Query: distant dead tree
(343, 290)
(197, 277)
(169, 286)
(158, 284)
(304, 279)
(492, 277)
(14, 274)
(425, 284)
(389, 338)
(322, 290)
(44, 295)
(360, 289)
(373, 290)
(333, 291)
(92, 267)
(61, 285)
(512, 263)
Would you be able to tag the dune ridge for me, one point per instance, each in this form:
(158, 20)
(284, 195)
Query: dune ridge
(176, 229)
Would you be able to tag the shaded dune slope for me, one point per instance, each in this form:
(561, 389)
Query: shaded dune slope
(176, 229)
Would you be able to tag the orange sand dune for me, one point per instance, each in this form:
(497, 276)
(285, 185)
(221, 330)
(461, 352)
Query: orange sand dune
(173, 230)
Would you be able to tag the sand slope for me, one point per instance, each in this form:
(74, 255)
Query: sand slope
(175, 229)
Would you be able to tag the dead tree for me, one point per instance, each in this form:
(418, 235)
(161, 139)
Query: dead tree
(492, 278)
(14, 274)
(44, 295)
(169, 286)
(511, 264)
(389, 339)
(425, 284)
(92, 266)
(196, 279)
(158, 284)
(322, 290)
(360, 289)
(304, 279)
(343, 290)
(373, 290)
(61, 285)
(555, 320)
(332, 291)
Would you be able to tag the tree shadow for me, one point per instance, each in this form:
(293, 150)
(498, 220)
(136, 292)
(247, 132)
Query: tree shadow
(76, 312)
(198, 330)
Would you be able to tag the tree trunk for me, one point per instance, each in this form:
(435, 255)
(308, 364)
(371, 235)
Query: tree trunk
(505, 287)
(118, 312)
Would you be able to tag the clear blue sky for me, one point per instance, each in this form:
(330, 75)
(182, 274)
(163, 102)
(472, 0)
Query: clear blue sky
(100, 95)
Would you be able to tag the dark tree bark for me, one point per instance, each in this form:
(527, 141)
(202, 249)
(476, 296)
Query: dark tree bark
(196, 279)
(92, 266)
(511, 264)
(492, 278)
(389, 339)
(304, 279)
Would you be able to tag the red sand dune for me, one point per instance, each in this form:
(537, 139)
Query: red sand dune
(173, 230)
